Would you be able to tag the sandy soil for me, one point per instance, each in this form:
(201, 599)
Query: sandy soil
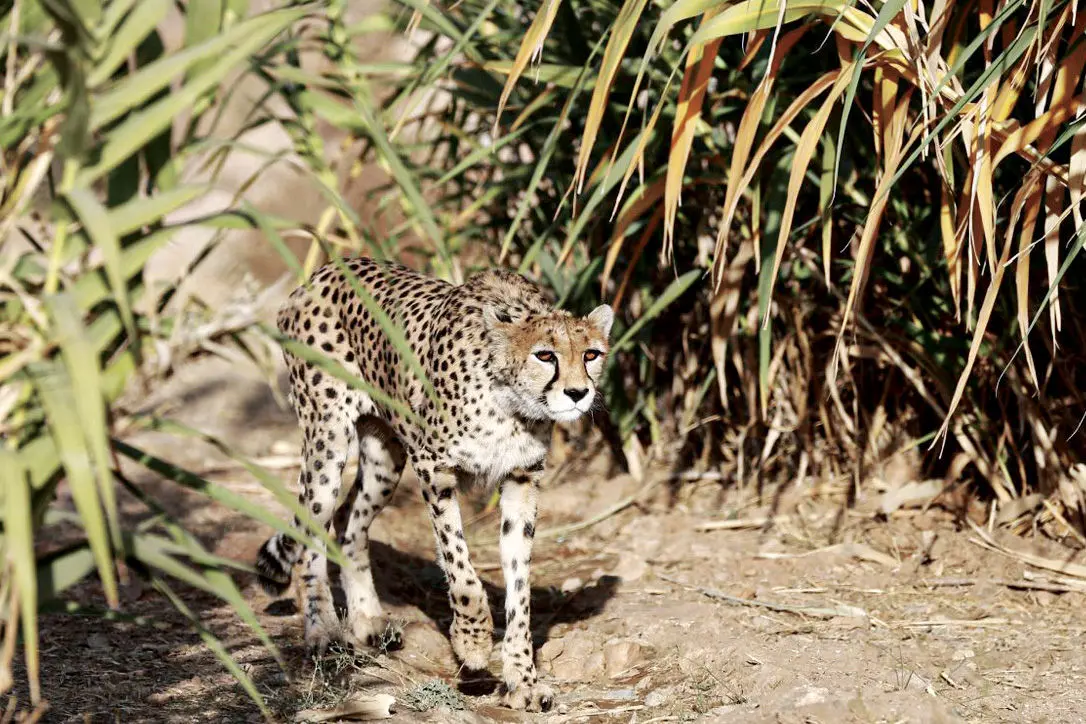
(841, 617)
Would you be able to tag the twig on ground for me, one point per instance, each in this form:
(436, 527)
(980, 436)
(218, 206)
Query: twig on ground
(813, 611)
(599, 517)
(573, 716)
(948, 582)
(742, 523)
(966, 622)
(984, 540)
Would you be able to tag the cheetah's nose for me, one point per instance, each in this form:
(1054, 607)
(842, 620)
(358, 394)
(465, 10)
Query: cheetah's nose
(576, 393)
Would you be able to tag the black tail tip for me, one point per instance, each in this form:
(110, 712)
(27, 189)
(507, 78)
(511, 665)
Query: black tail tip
(274, 574)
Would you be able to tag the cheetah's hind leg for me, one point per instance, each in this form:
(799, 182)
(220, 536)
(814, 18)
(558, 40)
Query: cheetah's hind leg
(381, 461)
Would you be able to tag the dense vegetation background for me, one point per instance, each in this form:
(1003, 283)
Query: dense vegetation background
(831, 231)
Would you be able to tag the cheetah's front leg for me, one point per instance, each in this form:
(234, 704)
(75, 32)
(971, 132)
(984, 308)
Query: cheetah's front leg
(518, 505)
(472, 626)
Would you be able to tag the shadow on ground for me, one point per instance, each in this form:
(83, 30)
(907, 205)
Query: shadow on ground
(156, 668)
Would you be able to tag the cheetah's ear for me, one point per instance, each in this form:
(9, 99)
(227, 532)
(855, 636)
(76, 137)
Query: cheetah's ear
(602, 317)
(494, 317)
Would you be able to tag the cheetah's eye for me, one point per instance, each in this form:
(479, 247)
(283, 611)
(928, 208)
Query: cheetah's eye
(592, 354)
(545, 356)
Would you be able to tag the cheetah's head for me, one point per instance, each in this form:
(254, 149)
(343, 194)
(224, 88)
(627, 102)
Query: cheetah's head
(549, 365)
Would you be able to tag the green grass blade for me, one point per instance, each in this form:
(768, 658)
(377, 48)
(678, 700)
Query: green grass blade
(234, 501)
(216, 647)
(82, 364)
(141, 212)
(338, 371)
(18, 544)
(140, 127)
(86, 207)
(888, 12)
(141, 22)
(676, 289)
(60, 570)
(58, 401)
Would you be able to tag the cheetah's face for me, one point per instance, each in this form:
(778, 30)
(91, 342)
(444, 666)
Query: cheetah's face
(551, 365)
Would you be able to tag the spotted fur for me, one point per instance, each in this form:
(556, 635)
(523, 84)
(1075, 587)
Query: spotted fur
(505, 365)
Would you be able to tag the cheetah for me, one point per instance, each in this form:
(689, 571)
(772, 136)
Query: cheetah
(504, 366)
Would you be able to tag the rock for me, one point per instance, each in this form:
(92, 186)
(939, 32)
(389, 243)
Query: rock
(572, 659)
(657, 698)
(551, 650)
(809, 695)
(283, 447)
(620, 656)
(630, 567)
(98, 641)
(572, 584)
(963, 654)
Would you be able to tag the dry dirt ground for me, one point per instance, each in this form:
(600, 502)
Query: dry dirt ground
(906, 620)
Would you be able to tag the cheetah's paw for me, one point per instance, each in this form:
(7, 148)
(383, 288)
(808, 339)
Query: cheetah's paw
(318, 637)
(536, 697)
(472, 645)
(377, 632)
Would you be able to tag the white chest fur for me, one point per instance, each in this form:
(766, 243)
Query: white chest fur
(510, 446)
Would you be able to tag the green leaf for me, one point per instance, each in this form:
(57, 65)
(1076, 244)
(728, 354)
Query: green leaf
(676, 289)
(82, 364)
(141, 212)
(86, 207)
(18, 543)
(393, 329)
(144, 18)
(563, 76)
(231, 499)
(216, 646)
(63, 569)
(761, 15)
(886, 14)
(139, 127)
(58, 401)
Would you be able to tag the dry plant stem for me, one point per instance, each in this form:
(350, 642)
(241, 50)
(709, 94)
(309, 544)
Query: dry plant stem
(814, 611)
(602, 516)
(743, 523)
(578, 715)
(984, 540)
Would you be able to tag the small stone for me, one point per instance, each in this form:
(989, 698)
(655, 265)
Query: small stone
(657, 698)
(98, 641)
(283, 447)
(812, 695)
(551, 650)
(572, 584)
(630, 567)
(963, 654)
(620, 656)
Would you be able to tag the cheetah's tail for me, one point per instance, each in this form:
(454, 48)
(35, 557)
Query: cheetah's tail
(274, 562)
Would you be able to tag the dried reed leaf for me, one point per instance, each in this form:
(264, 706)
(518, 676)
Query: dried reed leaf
(909, 495)
(805, 148)
(635, 257)
(1077, 173)
(362, 708)
(984, 540)
(989, 304)
(723, 313)
(646, 198)
(894, 153)
(951, 247)
(621, 32)
(1021, 138)
(530, 47)
(744, 140)
(737, 185)
(699, 68)
(1021, 274)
